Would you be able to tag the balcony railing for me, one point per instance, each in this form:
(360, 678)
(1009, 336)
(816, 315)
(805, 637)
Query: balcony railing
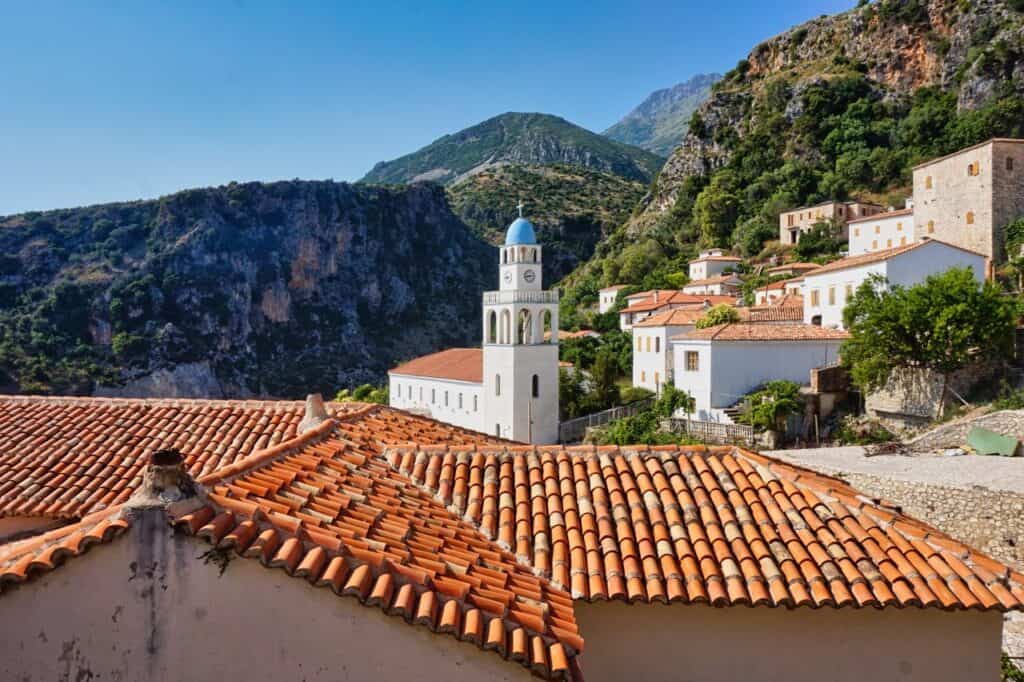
(499, 297)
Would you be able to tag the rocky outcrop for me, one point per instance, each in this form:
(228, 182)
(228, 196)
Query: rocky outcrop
(278, 289)
(974, 49)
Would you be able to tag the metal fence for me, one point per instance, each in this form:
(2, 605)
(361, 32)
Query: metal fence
(573, 430)
(714, 432)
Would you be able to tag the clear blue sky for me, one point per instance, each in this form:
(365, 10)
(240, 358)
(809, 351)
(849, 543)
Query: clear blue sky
(106, 101)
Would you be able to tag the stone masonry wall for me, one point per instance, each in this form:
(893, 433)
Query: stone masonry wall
(954, 434)
(987, 520)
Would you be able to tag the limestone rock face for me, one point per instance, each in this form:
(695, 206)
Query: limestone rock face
(277, 289)
(972, 48)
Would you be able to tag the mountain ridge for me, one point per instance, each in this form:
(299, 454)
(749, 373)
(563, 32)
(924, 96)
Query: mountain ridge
(659, 123)
(518, 138)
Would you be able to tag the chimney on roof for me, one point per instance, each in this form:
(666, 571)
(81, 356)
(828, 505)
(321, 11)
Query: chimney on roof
(316, 413)
(165, 484)
(656, 294)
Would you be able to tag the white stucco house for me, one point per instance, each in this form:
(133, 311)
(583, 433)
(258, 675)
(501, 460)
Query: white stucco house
(718, 285)
(607, 297)
(882, 231)
(648, 303)
(509, 388)
(827, 289)
(719, 365)
(712, 262)
(769, 294)
(652, 357)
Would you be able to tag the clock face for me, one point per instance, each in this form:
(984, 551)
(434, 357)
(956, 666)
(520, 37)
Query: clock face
(529, 275)
(508, 276)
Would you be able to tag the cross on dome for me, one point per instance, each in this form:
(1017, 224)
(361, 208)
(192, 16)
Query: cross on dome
(520, 206)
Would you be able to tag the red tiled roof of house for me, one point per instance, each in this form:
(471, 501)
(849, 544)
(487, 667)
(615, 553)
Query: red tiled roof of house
(783, 283)
(788, 301)
(63, 458)
(749, 331)
(455, 364)
(882, 216)
(491, 542)
(693, 524)
(677, 317)
(729, 259)
(717, 279)
(771, 313)
(885, 254)
(651, 293)
(679, 299)
(796, 267)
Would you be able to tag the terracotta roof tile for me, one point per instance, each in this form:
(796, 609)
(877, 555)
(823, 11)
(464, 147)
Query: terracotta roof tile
(676, 317)
(708, 524)
(795, 267)
(717, 279)
(750, 331)
(457, 364)
(772, 313)
(679, 299)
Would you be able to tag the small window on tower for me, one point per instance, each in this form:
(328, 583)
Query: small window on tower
(536, 386)
(970, 217)
(497, 384)
(928, 182)
(931, 226)
(1009, 163)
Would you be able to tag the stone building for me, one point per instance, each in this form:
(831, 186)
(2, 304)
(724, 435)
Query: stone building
(967, 198)
(794, 223)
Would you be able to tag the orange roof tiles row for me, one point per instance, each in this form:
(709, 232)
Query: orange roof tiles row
(457, 364)
(754, 331)
(719, 525)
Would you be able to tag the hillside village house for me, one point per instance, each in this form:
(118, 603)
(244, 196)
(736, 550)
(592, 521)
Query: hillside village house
(712, 262)
(794, 223)
(969, 197)
(652, 357)
(651, 303)
(782, 311)
(769, 294)
(202, 540)
(791, 269)
(510, 387)
(719, 285)
(607, 297)
(882, 231)
(719, 365)
(827, 289)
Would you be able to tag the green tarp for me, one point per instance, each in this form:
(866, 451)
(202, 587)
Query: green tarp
(986, 442)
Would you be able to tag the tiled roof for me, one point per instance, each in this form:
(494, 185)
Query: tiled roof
(788, 301)
(783, 283)
(651, 293)
(771, 313)
(491, 542)
(879, 256)
(678, 298)
(456, 364)
(729, 259)
(677, 317)
(65, 457)
(717, 279)
(750, 331)
(795, 267)
(882, 216)
(717, 525)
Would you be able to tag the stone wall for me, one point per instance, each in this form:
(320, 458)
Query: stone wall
(911, 396)
(988, 520)
(954, 434)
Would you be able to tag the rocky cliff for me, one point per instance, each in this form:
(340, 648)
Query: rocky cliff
(973, 49)
(273, 289)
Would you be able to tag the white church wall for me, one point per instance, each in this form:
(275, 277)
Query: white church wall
(508, 396)
(453, 402)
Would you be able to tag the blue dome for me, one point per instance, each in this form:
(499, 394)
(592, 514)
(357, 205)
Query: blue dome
(520, 232)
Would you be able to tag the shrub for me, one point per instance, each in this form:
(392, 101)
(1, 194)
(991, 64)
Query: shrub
(768, 407)
(720, 314)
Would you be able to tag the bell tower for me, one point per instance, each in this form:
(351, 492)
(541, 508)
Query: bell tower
(520, 383)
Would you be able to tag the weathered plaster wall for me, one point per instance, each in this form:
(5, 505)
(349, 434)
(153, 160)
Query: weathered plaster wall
(145, 607)
(705, 644)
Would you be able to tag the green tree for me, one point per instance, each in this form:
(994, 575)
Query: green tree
(717, 208)
(604, 391)
(720, 314)
(943, 324)
(768, 407)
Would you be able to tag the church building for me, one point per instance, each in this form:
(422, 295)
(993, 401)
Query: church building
(509, 387)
